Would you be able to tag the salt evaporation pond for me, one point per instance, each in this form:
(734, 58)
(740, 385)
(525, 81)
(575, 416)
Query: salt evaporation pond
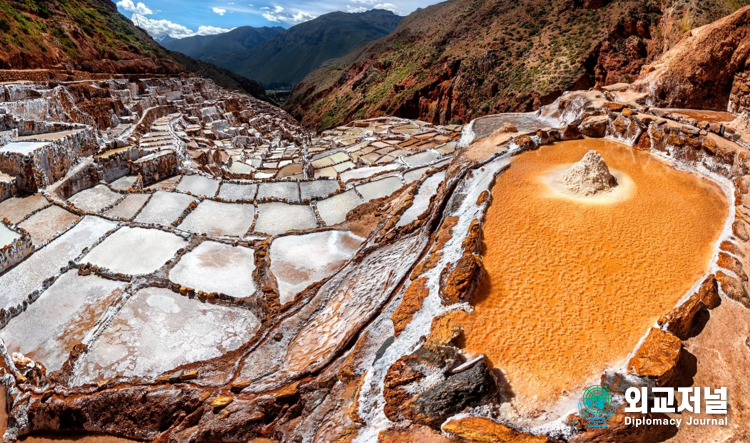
(68, 310)
(31, 273)
(427, 189)
(216, 219)
(572, 286)
(135, 251)
(16, 209)
(95, 199)
(278, 218)
(287, 191)
(216, 267)
(199, 185)
(297, 261)
(44, 225)
(164, 208)
(379, 188)
(7, 236)
(232, 191)
(128, 207)
(333, 210)
(158, 330)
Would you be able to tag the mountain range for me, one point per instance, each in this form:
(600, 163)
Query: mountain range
(457, 60)
(276, 57)
(92, 36)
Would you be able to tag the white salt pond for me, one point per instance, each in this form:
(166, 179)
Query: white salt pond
(288, 191)
(24, 148)
(235, 191)
(379, 188)
(217, 267)
(69, 309)
(7, 236)
(46, 224)
(278, 218)
(297, 261)
(367, 172)
(29, 275)
(95, 199)
(216, 219)
(414, 174)
(130, 206)
(164, 208)
(421, 159)
(157, 331)
(199, 185)
(124, 183)
(135, 251)
(333, 210)
(316, 189)
(16, 209)
(426, 190)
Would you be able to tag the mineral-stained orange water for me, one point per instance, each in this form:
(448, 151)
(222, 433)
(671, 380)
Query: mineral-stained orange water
(573, 286)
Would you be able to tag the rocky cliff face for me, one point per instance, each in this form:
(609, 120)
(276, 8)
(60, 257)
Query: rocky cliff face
(459, 60)
(704, 69)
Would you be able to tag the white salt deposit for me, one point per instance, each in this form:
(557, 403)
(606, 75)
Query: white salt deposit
(362, 173)
(16, 209)
(232, 191)
(46, 224)
(316, 189)
(135, 251)
(95, 199)
(158, 330)
(68, 310)
(216, 267)
(20, 281)
(333, 210)
(130, 206)
(215, 219)
(7, 236)
(164, 208)
(300, 260)
(198, 185)
(288, 191)
(421, 159)
(24, 148)
(427, 189)
(278, 218)
(379, 188)
(124, 183)
(414, 174)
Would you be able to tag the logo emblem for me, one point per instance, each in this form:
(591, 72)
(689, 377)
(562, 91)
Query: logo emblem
(596, 406)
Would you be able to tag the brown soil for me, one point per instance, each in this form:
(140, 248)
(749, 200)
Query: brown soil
(573, 286)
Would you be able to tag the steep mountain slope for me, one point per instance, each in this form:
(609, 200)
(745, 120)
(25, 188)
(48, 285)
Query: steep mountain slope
(239, 39)
(87, 35)
(458, 60)
(91, 36)
(286, 58)
(703, 69)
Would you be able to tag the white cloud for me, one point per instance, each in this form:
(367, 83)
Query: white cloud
(160, 28)
(387, 6)
(350, 8)
(220, 11)
(138, 8)
(278, 9)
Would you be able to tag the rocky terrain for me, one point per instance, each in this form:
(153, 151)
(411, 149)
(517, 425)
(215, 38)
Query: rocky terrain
(182, 262)
(458, 60)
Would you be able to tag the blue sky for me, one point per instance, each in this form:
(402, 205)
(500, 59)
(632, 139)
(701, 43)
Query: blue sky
(183, 18)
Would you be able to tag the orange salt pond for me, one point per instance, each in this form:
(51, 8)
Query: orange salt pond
(574, 284)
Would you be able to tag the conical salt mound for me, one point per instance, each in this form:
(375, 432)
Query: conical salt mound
(589, 176)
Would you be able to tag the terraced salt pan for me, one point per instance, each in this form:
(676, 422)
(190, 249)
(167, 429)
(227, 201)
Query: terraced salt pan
(367, 172)
(69, 309)
(164, 208)
(47, 223)
(421, 159)
(23, 148)
(95, 199)
(232, 191)
(158, 330)
(198, 185)
(16, 209)
(601, 274)
(217, 267)
(379, 188)
(124, 183)
(135, 251)
(29, 275)
(316, 189)
(414, 174)
(130, 206)
(427, 189)
(7, 236)
(297, 261)
(278, 218)
(333, 210)
(216, 219)
(288, 191)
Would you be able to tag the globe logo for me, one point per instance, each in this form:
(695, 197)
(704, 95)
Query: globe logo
(596, 406)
